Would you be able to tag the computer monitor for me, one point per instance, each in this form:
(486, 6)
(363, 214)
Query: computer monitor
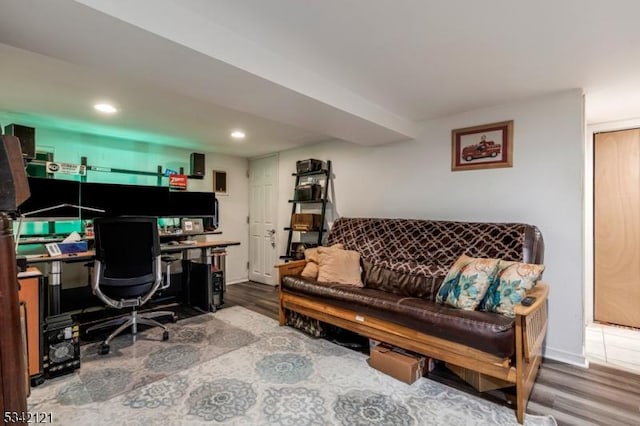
(123, 200)
(192, 204)
(47, 193)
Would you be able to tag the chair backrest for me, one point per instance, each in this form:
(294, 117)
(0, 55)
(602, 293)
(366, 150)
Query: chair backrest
(127, 247)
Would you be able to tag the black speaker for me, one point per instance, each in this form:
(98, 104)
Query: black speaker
(27, 136)
(197, 164)
(14, 189)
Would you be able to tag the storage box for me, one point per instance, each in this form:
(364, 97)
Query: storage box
(310, 165)
(397, 363)
(305, 221)
(74, 247)
(308, 192)
(481, 382)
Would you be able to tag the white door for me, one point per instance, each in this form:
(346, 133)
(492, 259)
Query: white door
(263, 200)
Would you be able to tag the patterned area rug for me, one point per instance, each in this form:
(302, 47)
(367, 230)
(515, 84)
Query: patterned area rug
(240, 368)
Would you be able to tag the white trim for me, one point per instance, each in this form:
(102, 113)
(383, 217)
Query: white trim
(566, 357)
(241, 280)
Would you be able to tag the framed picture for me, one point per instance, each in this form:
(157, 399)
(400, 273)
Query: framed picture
(482, 147)
(220, 182)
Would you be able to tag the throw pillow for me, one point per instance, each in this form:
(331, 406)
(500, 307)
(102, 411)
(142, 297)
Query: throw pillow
(339, 266)
(451, 280)
(467, 289)
(512, 281)
(311, 254)
(310, 270)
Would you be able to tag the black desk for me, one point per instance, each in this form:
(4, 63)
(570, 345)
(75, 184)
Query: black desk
(211, 253)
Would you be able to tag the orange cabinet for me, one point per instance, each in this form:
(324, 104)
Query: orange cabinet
(30, 293)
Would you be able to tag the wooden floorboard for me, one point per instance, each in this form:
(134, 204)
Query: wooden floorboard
(574, 396)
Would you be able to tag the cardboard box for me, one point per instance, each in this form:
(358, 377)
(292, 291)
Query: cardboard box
(397, 363)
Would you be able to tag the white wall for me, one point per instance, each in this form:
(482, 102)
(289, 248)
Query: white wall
(141, 156)
(544, 188)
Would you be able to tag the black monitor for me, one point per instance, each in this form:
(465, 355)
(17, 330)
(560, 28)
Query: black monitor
(47, 193)
(123, 200)
(192, 204)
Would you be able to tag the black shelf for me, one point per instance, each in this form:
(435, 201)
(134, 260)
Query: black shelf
(318, 172)
(326, 176)
(310, 230)
(308, 201)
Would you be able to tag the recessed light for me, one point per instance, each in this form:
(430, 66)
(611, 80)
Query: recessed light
(238, 134)
(106, 108)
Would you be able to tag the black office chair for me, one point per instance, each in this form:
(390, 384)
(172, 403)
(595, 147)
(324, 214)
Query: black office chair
(128, 271)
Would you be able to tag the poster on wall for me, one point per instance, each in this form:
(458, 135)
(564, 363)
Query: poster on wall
(178, 182)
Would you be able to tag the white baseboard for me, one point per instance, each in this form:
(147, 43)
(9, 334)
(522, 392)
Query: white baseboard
(236, 281)
(566, 357)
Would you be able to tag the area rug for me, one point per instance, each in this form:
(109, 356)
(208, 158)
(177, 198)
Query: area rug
(238, 367)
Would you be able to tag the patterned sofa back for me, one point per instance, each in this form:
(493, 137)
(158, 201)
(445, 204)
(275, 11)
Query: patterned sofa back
(412, 256)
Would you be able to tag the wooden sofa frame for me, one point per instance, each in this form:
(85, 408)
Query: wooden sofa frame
(530, 330)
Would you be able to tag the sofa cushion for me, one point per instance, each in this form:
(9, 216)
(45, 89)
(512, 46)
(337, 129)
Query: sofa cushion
(339, 266)
(509, 286)
(411, 285)
(467, 282)
(485, 331)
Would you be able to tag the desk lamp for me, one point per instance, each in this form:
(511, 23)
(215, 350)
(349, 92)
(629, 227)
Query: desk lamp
(59, 206)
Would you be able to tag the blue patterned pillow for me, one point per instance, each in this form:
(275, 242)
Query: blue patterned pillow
(467, 282)
(512, 281)
(451, 280)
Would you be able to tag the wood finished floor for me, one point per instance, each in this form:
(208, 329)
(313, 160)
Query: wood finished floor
(572, 395)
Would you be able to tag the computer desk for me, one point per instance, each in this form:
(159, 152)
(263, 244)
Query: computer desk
(208, 249)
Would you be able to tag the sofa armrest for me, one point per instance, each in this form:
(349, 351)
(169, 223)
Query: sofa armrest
(290, 268)
(531, 325)
(540, 292)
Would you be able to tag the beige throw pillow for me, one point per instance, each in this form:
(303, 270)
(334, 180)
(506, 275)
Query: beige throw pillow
(339, 266)
(311, 256)
(310, 270)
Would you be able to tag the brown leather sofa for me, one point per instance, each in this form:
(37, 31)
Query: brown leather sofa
(404, 263)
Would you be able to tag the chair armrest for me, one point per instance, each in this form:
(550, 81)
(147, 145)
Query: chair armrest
(290, 268)
(540, 292)
(167, 277)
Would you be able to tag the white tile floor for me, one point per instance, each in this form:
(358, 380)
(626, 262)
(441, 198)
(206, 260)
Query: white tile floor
(613, 346)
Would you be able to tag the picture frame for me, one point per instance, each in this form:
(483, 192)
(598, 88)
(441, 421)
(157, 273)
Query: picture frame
(487, 146)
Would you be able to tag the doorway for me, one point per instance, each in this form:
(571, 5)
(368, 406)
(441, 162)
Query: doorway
(617, 227)
(263, 204)
(613, 253)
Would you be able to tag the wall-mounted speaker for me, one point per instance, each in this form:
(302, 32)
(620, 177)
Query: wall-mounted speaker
(27, 136)
(15, 186)
(197, 164)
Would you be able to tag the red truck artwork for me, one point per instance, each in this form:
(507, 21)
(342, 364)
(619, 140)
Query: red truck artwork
(481, 150)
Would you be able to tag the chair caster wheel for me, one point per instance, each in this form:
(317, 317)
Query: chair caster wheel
(103, 349)
(165, 335)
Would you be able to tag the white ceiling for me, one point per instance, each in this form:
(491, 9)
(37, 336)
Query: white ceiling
(187, 72)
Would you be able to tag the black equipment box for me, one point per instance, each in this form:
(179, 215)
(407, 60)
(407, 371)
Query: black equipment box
(206, 286)
(308, 192)
(310, 165)
(62, 346)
